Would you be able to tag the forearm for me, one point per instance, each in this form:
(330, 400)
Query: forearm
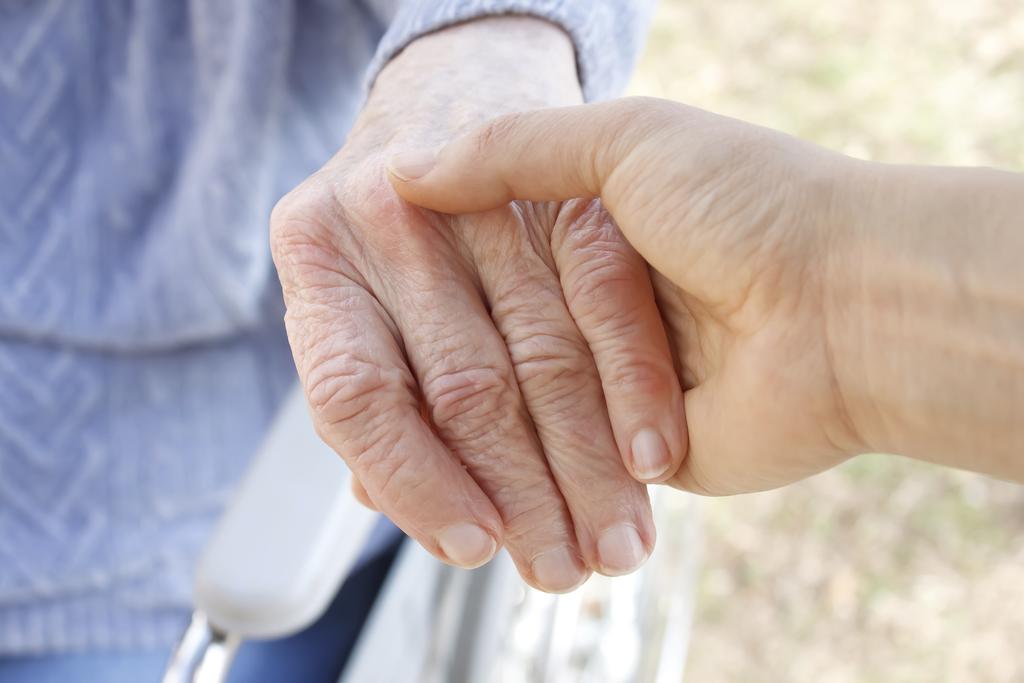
(933, 314)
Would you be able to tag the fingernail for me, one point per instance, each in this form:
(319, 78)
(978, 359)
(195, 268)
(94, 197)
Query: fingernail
(557, 571)
(620, 550)
(412, 165)
(650, 454)
(466, 545)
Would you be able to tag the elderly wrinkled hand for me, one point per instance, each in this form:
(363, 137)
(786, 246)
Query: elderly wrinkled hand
(485, 377)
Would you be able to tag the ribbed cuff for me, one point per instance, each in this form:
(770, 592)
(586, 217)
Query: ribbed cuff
(607, 34)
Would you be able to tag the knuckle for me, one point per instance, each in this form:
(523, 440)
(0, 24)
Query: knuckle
(693, 480)
(298, 225)
(318, 253)
(295, 212)
(602, 275)
(282, 215)
(532, 515)
(469, 398)
(598, 291)
(551, 367)
(638, 377)
(498, 132)
(647, 112)
(396, 479)
(605, 490)
(344, 388)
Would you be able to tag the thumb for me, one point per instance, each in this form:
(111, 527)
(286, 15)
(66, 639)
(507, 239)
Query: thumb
(544, 155)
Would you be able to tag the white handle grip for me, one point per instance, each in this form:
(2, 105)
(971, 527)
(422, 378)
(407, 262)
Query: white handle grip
(289, 537)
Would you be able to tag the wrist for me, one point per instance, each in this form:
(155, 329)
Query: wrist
(929, 331)
(857, 294)
(492, 49)
(455, 78)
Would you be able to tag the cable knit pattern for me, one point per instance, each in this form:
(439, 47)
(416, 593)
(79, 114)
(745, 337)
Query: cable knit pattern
(142, 145)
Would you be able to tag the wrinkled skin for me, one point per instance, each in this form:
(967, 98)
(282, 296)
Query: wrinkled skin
(741, 228)
(486, 372)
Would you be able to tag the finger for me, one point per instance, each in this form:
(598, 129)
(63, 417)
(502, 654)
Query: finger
(545, 155)
(608, 291)
(468, 384)
(364, 405)
(360, 494)
(640, 155)
(562, 391)
(735, 433)
(719, 463)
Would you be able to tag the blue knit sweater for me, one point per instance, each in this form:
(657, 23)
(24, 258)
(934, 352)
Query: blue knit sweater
(142, 354)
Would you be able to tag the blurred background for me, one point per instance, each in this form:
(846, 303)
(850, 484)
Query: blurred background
(884, 569)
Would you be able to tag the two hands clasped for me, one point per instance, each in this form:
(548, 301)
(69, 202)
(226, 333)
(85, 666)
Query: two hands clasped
(597, 297)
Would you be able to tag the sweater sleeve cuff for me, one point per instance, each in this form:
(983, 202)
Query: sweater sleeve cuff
(607, 34)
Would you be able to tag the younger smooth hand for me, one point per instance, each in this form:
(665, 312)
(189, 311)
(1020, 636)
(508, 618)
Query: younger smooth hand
(742, 225)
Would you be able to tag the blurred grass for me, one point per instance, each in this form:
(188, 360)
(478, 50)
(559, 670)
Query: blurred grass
(883, 569)
(928, 81)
